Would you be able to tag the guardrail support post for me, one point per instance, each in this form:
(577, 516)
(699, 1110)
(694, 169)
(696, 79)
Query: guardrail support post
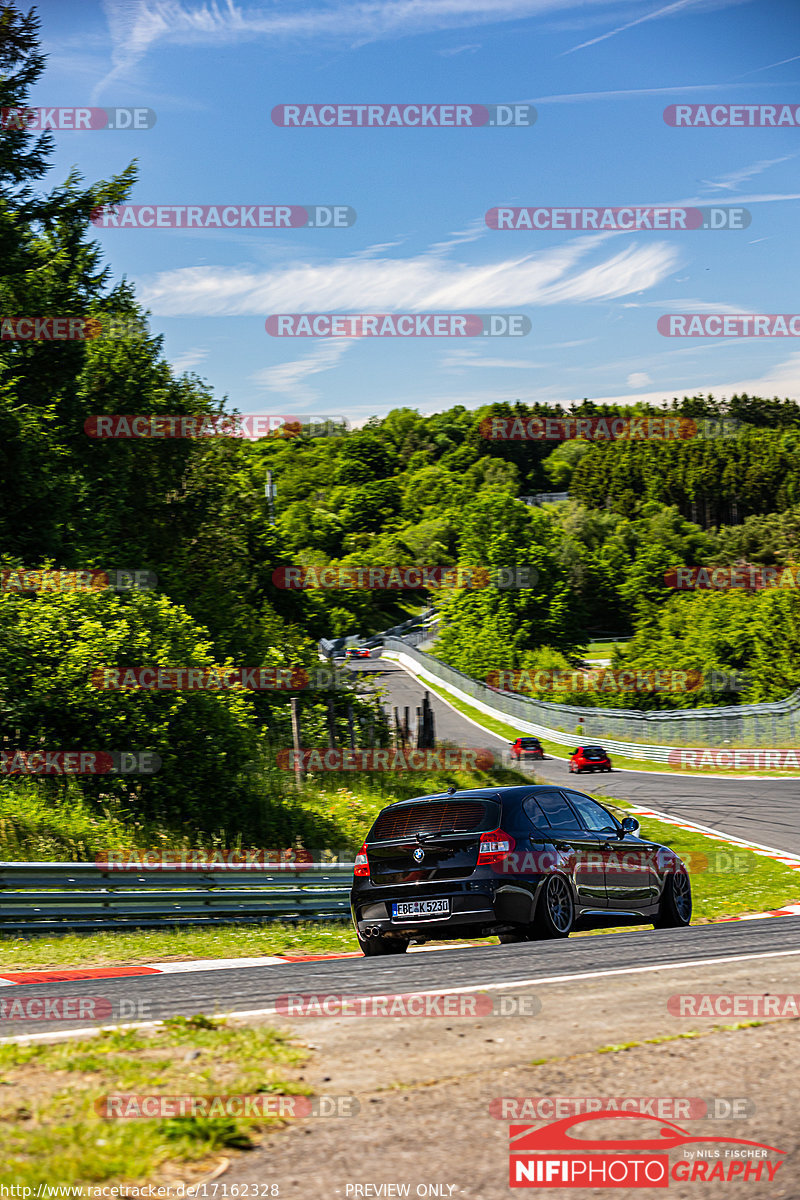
(298, 770)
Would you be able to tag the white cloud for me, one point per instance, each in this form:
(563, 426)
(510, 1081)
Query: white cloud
(689, 305)
(635, 93)
(289, 378)
(732, 180)
(651, 16)
(475, 229)
(638, 379)
(137, 25)
(461, 357)
(189, 359)
(769, 66)
(471, 49)
(419, 284)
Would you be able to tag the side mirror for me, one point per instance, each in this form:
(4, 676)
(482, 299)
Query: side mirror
(629, 825)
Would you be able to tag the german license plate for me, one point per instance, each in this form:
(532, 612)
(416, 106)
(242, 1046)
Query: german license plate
(420, 908)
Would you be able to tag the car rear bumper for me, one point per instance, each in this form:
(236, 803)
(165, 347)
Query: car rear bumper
(477, 909)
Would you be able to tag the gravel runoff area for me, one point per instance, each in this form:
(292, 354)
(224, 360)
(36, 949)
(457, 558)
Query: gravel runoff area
(425, 1085)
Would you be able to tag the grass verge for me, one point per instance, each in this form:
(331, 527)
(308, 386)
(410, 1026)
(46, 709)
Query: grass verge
(132, 946)
(54, 1135)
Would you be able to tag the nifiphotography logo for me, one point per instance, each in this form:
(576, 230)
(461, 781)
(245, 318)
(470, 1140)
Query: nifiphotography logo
(552, 1156)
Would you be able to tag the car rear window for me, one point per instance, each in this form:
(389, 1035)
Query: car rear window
(435, 816)
(529, 743)
(594, 752)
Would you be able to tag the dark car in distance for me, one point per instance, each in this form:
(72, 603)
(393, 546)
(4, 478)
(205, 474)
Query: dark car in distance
(527, 747)
(522, 863)
(589, 758)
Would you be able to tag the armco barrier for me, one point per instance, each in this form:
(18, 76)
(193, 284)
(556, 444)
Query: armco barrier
(650, 736)
(42, 897)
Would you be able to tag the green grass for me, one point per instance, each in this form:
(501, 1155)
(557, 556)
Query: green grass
(511, 733)
(129, 946)
(52, 1133)
(600, 649)
(37, 826)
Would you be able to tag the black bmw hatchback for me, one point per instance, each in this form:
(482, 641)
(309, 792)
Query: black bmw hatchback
(523, 863)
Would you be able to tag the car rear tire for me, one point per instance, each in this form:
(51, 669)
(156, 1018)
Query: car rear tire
(555, 910)
(675, 907)
(373, 946)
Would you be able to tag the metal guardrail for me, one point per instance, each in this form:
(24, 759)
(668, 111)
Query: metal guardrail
(640, 734)
(42, 897)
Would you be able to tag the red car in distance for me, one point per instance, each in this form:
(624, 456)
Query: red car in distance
(589, 758)
(358, 652)
(527, 747)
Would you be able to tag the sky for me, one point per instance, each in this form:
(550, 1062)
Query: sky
(599, 73)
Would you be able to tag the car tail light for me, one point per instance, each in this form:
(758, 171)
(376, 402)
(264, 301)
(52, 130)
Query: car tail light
(494, 847)
(362, 862)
